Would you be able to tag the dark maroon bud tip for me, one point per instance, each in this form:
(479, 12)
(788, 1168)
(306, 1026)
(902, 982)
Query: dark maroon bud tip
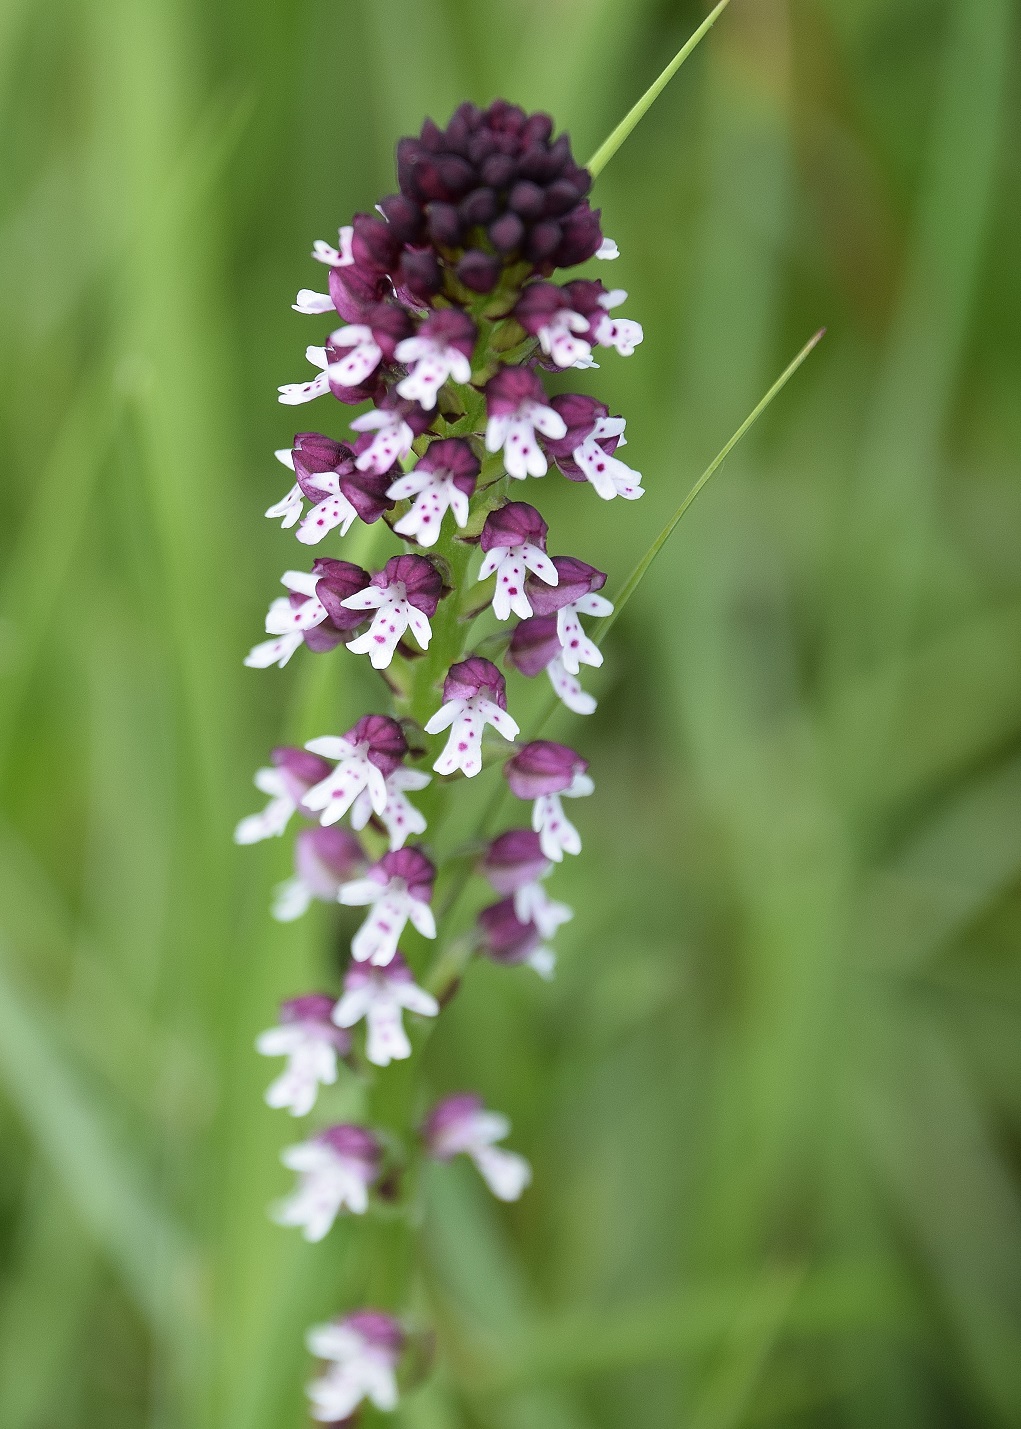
(506, 233)
(419, 272)
(444, 224)
(543, 241)
(526, 199)
(479, 271)
(478, 207)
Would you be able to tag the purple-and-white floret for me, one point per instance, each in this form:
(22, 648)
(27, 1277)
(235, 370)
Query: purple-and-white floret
(397, 889)
(545, 772)
(311, 1042)
(380, 995)
(474, 696)
(574, 595)
(294, 772)
(362, 1351)
(365, 757)
(335, 1170)
(505, 938)
(517, 408)
(404, 594)
(586, 451)
(514, 543)
(441, 348)
(460, 1125)
(534, 647)
(324, 859)
(444, 480)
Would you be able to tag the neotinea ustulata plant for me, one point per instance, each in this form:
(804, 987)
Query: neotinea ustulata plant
(443, 316)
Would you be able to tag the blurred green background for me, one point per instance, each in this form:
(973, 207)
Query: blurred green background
(774, 1096)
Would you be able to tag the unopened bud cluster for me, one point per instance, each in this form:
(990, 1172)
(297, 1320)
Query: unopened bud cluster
(443, 317)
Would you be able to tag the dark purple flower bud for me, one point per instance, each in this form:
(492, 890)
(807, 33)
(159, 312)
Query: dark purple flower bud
(337, 580)
(542, 767)
(327, 856)
(577, 578)
(582, 236)
(475, 676)
(543, 241)
(455, 457)
(448, 1116)
(418, 274)
(561, 196)
(423, 584)
(479, 207)
(385, 741)
(498, 170)
(506, 233)
(410, 865)
(526, 199)
(534, 644)
(479, 271)
(354, 1143)
(300, 770)
(505, 938)
(515, 524)
(403, 216)
(511, 386)
(443, 223)
(514, 859)
(375, 245)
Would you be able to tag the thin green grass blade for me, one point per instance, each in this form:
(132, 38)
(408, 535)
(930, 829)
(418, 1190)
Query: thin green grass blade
(609, 147)
(636, 577)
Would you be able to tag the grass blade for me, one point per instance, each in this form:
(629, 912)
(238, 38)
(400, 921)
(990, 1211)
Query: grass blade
(609, 147)
(636, 577)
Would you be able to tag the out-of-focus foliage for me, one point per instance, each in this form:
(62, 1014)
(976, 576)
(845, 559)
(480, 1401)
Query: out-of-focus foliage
(774, 1096)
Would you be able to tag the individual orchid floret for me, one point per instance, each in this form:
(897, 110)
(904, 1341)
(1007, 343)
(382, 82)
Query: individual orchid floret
(315, 598)
(574, 595)
(387, 433)
(341, 256)
(513, 860)
(623, 334)
(405, 593)
(397, 888)
(461, 1125)
(311, 1042)
(294, 773)
(380, 995)
(292, 394)
(507, 939)
(324, 859)
(340, 493)
(363, 1351)
(515, 864)
(443, 480)
(474, 695)
(441, 348)
(545, 771)
(514, 542)
(366, 757)
(545, 311)
(400, 818)
(586, 452)
(335, 1170)
(361, 347)
(534, 647)
(517, 408)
